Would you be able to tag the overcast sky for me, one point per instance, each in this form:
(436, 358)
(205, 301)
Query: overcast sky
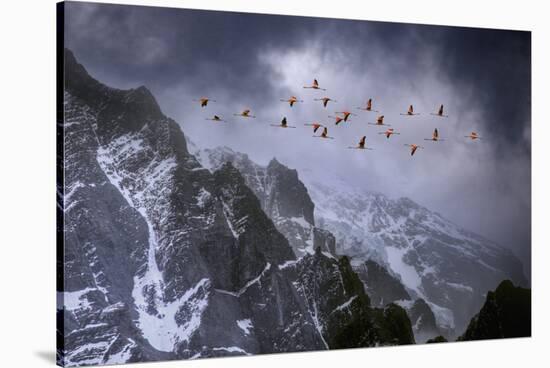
(483, 77)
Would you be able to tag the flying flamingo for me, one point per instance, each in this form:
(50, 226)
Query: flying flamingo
(388, 133)
(369, 106)
(245, 114)
(215, 118)
(292, 100)
(204, 101)
(315, 85)
(435, 136)
(324, 134)
(283, 124)
(413, 147)
(440, 113)
(337, 119)
(380, 121)
(346, 114)
(361, 144)
(325, 100)
(473, 136)
(410, 111)
(315, 126)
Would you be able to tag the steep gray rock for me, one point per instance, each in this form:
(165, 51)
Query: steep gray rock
(423, 321)
(340, 308)
(282, 195)
(163, 259)
(447, 266)
(506, 313)
(382, 287)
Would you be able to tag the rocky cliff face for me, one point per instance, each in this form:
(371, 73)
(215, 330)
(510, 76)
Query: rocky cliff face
(448, 267)
(385, 288)
(282, 195)
(382, 287)
(423, 321)
(506, 313)
(164, 259)
(340, 308)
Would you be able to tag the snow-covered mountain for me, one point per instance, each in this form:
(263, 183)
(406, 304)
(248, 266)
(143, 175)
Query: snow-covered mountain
(447, 266)
(403, 252)
(161, 258)
(283, 197)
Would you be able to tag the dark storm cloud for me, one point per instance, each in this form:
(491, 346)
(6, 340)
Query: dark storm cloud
(161, 46)
(195, 47)
(247, 60)
(496, 67)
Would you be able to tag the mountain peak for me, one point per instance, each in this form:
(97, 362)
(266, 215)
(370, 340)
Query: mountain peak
(78, 81)
(274, 163)
(121, 110)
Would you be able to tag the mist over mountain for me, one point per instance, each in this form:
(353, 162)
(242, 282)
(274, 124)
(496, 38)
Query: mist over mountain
(403, 252)
(162, 258)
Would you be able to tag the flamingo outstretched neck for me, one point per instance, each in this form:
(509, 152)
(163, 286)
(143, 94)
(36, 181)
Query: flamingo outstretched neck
(368, 107)
(245, 114)
(324, 134)
(410, 111)
(413, 148)
(325, 100)
(215, 118)
(292, 100)
(204, 101)
(315, 85)
(440, 112)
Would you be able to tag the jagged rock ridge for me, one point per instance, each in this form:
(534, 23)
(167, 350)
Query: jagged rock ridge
(163, 259)
(506, 313)
(283, 196)
(447, 266)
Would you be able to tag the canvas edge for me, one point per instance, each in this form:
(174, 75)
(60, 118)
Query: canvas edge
(60, 187)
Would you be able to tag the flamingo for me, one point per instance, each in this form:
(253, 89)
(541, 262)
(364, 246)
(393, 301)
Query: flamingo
(346, 114)
(435, 136)
(380, 121)
(315, 85)
(410, 111)
(324, 134)
(389, 132)
(245, 114)
(204, 101)
(361, 144)
(440, 113)
(369, 106)
(215, 118)
(473, 136)
(337, 119)
(413, 147)
(315, 126)
(292, 100)
(325, 100)
(283, 124)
